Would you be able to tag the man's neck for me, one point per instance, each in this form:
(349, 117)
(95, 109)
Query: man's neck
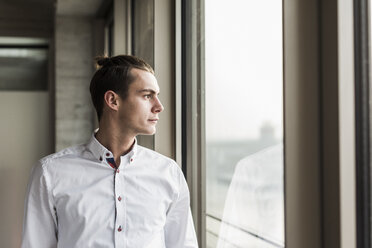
(119, 143)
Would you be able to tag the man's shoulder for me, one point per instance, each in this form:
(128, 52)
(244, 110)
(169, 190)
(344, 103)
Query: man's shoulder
(69, 152)
(160, 164)
(146, 153)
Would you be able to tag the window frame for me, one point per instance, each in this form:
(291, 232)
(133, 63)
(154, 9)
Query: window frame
(193, 106)
(362, 129)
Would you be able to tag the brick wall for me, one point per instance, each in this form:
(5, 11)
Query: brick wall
(73, 72)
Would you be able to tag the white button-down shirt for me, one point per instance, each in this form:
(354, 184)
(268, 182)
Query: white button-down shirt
(78, 198)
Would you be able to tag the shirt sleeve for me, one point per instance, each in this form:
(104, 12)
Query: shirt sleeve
(179, 228)
(40, 222)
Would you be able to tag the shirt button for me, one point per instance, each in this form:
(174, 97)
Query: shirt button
(119, 229)
(107, 154)
(117, 170)
(131, 160)
(119, 198)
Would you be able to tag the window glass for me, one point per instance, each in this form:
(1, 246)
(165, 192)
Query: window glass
(244, 123)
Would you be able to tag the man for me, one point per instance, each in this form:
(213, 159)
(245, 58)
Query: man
(111, 192)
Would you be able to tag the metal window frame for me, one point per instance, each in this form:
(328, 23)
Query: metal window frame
(193, 117)
(301, 124)
(320, 179)
(362, 135)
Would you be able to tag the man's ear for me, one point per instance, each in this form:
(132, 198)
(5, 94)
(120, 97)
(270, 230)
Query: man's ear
(111, 100)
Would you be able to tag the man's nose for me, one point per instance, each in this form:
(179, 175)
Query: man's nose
(158, 106)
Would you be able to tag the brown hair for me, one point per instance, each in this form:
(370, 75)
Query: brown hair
(114, 73)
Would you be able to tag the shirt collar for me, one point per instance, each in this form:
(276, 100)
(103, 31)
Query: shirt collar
(101, 153)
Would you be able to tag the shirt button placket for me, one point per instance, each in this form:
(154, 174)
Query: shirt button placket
(120, 208)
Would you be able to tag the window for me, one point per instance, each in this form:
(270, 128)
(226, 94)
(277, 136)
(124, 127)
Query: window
(233, 121)
(243, 124)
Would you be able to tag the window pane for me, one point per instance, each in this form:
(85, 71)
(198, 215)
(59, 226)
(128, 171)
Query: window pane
(244, 123)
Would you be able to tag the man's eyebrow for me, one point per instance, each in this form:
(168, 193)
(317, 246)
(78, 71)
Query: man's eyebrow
(148, 90)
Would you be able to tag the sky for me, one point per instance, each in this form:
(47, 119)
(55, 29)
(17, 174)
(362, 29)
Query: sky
(243, 68)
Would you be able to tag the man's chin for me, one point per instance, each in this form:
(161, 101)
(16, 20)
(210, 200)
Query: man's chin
(148, 132)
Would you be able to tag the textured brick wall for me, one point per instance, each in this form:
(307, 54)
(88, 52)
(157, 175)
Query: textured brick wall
(74, 68)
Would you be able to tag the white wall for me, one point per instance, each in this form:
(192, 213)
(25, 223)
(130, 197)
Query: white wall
(24, 138)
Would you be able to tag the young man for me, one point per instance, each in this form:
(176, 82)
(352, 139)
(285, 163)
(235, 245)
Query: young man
(111, 192)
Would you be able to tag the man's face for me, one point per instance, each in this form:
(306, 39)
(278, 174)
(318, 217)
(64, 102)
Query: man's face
(139, 112)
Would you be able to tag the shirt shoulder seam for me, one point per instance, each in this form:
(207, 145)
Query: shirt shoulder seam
(45, 164)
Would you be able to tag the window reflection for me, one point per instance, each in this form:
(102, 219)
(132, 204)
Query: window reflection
(253, 213)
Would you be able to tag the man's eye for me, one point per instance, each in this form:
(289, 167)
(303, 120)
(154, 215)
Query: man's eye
(148, 96)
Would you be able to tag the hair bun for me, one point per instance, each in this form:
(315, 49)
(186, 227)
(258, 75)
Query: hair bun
(102, 61)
